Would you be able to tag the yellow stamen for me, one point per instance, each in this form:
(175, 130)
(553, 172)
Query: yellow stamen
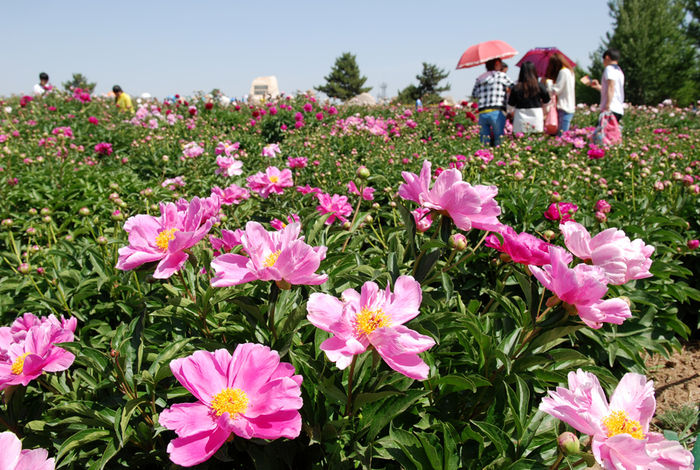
(619, 422)
(369, 320)
(272, 259)
(233, 401)
(164, 238)
(18, 365)
(274, 178)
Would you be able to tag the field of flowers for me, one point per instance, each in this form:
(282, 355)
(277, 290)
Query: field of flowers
(299, 285)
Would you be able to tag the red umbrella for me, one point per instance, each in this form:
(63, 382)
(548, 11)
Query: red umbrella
(485, 51)
(540, 57)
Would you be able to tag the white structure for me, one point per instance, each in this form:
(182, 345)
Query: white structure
(363, 99)
(264, 88)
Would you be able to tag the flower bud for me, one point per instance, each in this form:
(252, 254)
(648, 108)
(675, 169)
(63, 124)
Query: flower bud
(7, 222)
(548, 234)
(601, 217)
(101, 240)
(24, 268)
(283, 285)
(458, 242)
(555, 197)
(40, 271)
(568, 443)
(45, 211)
(117, 215)
(46, 219)
(369, 219)
(84, 211)
(693, 244)
(347, 225)
(33, 211)
(363, 172)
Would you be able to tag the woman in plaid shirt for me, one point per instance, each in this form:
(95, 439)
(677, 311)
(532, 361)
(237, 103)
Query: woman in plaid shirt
(491, 90)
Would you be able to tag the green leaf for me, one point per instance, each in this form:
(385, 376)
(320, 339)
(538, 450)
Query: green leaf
(374, 420)
(80, 438)
(499, 438)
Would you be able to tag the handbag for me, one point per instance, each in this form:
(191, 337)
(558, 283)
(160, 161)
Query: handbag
(551, 117)
(608, 130)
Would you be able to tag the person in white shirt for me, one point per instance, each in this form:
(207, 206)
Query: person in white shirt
(43, 86)
(612, 85)
(563, 86)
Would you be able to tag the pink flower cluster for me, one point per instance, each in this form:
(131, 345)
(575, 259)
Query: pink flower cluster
(227, 148)
(192, 150)
(280, 256)
(277, 224)
(373, 317)
(367, 192)
(335, 205)
(103, 148)
(232, 194)
(272, 181)
(166, 238)
(271, 150)
(621, 439)
(173, 183)
(228, 166)
(251, 394)
(521, 247)
(297, 162)
(468, 206)
(27, 348)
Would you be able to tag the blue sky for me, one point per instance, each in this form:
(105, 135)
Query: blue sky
(165, 47)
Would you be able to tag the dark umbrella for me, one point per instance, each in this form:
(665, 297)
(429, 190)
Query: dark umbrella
(540, 57)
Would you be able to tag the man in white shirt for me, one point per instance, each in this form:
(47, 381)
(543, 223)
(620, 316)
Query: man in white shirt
(612, 88)
(43, 86)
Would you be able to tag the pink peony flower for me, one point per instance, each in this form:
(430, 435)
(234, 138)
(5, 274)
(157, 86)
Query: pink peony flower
(469, 206)
(297, 162)
(228, 166)
(103, 148)
(226, 148)
(28, 349)
(93, 120)
(620, 429)
(165, 238)
(422, 218)
(277, 224)
(596, 153)
(602, 206)
(228, 241)
(233, 194)
(173, 183)
(271, 150)
(251, 394)
(374, 318)
(521, 247)
(12, 457)
(335, 205)
(621, 259)
(582, 287)
(693, 244)
(308, 190)
(272, 256)
(562, 211)
(367, 193)
(192, 150)
(272, 181)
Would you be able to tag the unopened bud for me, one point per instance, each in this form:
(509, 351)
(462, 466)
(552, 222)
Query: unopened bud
(369, 219)
(548, 234)
(101, 240)
(347, 225)
(45, 211)
(363, 172)
(505, 258)
(458, 242)
(568, 443)
(84, 211)
(555, 197)
(24, 268)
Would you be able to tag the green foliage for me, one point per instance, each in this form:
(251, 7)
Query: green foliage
(344, 81)
(428, 88)
(79, 81)
(657, 54)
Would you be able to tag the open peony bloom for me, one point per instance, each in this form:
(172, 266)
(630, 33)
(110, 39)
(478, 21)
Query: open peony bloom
(165, 238)
(621, 258)
(583, 287)
(521, 247)
(620, 429)
(27, 348)
(250, 394)
(228, 166)
(561, 211)
(373, 317)
(336, 205)
(468, 206)
(280, 256)
(12, 457)
(233, 194)
(272, 181)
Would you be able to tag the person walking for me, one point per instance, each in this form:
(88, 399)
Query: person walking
(612, 85)
(528, 96)
(122, 100)
(563, 87)
(491, 90)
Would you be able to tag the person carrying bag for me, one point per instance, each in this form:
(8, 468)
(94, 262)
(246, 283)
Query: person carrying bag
(608, 131)
(551, 117)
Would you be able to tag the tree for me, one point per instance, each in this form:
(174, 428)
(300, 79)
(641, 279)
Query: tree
(657, 55)
(344, 81)
(428, 88)
(79, 81)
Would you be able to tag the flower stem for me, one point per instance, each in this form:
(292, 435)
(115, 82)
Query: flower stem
(348, 408)
(556, 463)
(274, 294)
(354, 216)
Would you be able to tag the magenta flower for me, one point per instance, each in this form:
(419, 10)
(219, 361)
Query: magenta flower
(226, 148)
(561, 211)
(620, 429)
(12, 457)
(373, 318)
(367, 192)
(335, 205)
(232, 194)
(228, 241)
(602, 206)
(173, 183)
(521, 247)
(308, 190)
(277, 224)
(272, 181)
(422, 218)
(596, 153)
(103, 148)
(228, 166)
(297, 162)
(621, 259)
(164, 239)
(468, 206)
(280, 256)
(271, 150)
(251, 394)
(192, 150)
(26, 354)
(582, 287)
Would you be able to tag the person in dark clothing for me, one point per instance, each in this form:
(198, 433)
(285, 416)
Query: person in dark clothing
(527, 97)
